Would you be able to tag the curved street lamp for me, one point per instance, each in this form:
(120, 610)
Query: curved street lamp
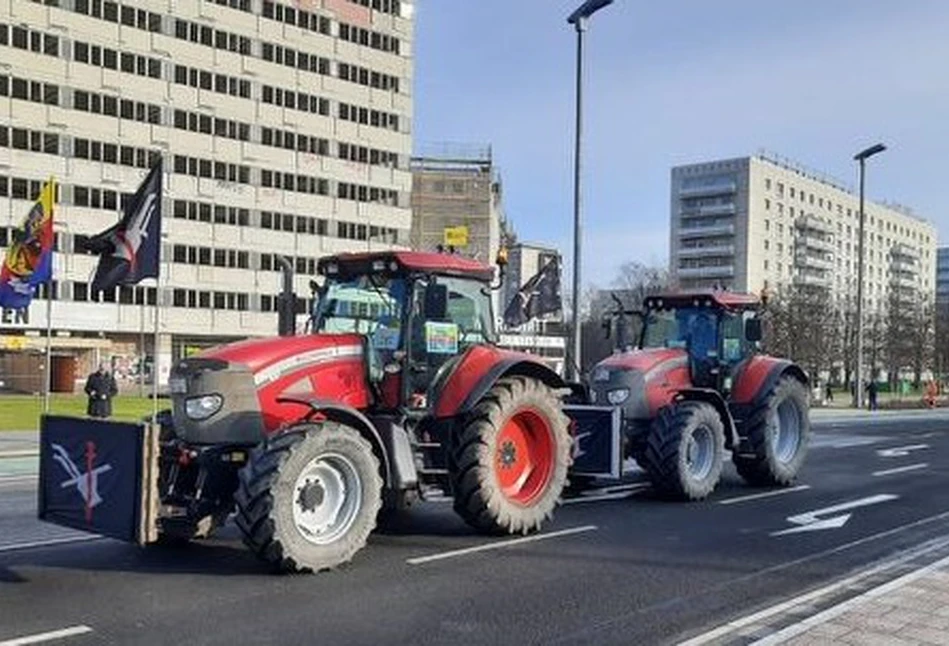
(861, 157)
(579, 20)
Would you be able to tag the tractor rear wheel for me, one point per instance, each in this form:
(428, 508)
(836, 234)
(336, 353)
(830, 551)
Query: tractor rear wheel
(685, 450)
(308, 498)
(510, 459)
(778, 434)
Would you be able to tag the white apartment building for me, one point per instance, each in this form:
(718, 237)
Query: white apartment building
(761, 222)
(285, 128)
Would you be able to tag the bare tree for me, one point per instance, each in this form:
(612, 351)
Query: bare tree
(942, 339)
(803, 326)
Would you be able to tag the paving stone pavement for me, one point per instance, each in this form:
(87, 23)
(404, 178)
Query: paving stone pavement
(911, 610)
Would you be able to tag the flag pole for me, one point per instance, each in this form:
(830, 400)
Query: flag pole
(49, 346)
(141, 344)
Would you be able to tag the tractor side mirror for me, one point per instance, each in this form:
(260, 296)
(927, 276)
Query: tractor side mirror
(753, 330)
(436, 302)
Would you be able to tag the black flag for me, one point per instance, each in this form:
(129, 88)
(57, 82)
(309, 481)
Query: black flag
(539, 296)
(129, 250)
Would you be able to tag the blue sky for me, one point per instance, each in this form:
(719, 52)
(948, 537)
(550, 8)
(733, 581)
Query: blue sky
(680, 81)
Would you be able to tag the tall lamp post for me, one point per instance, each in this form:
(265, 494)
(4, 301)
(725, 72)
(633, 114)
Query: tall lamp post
(861, 157)
(579, 20)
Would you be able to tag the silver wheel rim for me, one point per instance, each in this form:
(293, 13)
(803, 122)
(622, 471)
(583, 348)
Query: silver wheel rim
(700, 453)
(787, 432)
(327, 497)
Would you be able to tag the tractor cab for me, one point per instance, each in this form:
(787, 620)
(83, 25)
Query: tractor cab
(415, 311)
(717, 330)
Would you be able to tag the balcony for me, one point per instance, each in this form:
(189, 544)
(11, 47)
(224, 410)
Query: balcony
(707, 252)
(717, 209)
(902, 281)
(815, 242)
(721, 188)
(707, 232)
(903, 265)
(718, 271)
(901, 251)
(812, 223)
(812, 280)
(814, 261)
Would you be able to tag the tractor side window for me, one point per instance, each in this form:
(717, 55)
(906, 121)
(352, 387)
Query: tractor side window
(733, 337)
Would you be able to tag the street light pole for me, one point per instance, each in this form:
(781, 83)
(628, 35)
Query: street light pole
(579, 20)
(861, 157)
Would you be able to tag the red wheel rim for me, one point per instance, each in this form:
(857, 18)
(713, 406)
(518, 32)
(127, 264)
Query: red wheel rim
(524, 457)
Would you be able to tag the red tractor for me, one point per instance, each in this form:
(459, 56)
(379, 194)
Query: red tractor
(398, 392)
(694, 385)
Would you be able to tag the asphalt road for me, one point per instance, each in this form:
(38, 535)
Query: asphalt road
(617, 568)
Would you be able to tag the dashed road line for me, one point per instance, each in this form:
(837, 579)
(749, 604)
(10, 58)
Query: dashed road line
(419, 560)
(13, 547)
(52, 635)
(911, 467)
(766, 494)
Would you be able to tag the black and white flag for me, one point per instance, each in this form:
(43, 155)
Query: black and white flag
(129, 251)
(539, 296)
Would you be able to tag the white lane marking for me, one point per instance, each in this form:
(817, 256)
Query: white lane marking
(900, 451)
(766, 494)
(841, 608)
(809, 521)
(48, 636)
(620, 495)
(12, 480)
(493, 546)
(754, 618)
(53, 541)
(911, 467)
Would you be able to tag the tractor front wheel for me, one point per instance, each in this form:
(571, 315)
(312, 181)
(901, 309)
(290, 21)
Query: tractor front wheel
(777, 434)
(308, 498)
(685, 450)
(510, 459)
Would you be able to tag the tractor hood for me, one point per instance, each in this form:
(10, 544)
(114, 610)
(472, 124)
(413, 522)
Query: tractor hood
(232, 393)
(640, 381)
(271, 358)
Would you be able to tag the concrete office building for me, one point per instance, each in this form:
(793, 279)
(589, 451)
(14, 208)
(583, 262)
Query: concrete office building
(764, 222)
(942, 275)
(457, 186)
(285, 127)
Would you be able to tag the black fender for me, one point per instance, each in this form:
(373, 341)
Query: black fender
(353, 418)
(714, 398)
(511, 368)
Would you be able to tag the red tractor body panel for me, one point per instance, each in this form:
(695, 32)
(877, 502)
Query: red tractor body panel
(320, 366)
(664, 372)
(754, 376)
(477, 370)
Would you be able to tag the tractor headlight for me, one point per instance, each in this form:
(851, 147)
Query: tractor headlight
(199, 408)
(618, 396)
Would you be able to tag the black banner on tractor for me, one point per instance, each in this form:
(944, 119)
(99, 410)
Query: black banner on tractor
(596, 440)
(95, 476)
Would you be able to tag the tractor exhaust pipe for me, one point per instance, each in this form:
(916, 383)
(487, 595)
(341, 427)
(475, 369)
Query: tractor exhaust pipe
(286, 301)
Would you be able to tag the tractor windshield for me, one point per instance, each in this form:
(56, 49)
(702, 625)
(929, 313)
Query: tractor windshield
(368, 305)
(694, 327)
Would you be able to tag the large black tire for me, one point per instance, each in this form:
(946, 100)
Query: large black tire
(269, 494)
(773, 457)
(490, 449)
(673, 469)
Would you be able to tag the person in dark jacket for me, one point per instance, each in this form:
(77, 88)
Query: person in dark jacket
(101, 388)
(872, 391)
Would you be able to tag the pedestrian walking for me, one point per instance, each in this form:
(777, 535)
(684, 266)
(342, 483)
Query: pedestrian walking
(828, 393)
(872, 392)
(100, 388)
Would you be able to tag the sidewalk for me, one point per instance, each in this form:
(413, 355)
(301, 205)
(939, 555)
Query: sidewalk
(913, 609)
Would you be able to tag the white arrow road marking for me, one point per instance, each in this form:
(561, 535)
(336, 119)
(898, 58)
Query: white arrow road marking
(809, 521)
(900, 451)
